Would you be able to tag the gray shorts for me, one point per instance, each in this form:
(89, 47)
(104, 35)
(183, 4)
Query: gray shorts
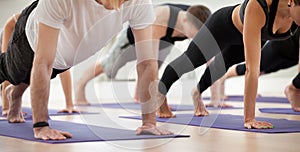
(121, 52)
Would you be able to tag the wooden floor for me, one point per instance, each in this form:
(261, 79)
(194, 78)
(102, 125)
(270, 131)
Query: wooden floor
(202, 139)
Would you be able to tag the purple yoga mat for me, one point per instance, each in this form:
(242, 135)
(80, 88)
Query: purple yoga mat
(80, 132)
(279, 111)
(137, 106)
(52, 112)
(229, 122)
(258, 99)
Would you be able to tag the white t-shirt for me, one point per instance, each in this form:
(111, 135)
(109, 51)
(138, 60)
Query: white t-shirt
(85, 26)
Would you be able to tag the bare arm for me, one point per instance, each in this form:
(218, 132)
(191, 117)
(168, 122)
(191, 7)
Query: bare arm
(147, 69)
(254, 21)
(40, 81)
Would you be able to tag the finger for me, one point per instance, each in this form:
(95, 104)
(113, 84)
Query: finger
(166, 132)
(60, 135)
(75, 111)
(62, 111)
(143, 131)
(66, 134)
(263, 125)
(57, 136)
(153, 132)
(268, 125)
(150, 132)
(255, 125)
(248, 126)
(24, 113)
(45, 137)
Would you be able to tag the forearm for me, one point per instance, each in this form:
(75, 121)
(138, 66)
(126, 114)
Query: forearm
(147, 74)
(250, 92)
(39, 90)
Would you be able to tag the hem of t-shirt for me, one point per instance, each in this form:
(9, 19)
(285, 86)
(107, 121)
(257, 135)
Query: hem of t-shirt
(53, 25)
(139, 27)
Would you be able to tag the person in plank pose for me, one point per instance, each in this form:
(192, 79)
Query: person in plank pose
(275, 55)
(51, 36)
(174, 22)
(65, 77)
(232, 35)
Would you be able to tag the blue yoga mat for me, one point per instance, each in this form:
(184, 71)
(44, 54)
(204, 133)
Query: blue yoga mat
(258, 99)
(229, 122)
(80, 132)
(279, 111)
(137, 106)
(52, 112)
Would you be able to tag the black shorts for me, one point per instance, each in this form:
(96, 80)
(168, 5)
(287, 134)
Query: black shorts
(16, 62)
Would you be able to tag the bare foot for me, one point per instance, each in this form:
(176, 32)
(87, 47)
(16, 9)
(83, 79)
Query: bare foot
(220, 105)
(46, 133)
(164, 110)
(199, 107)
(253, 124)
(293, 95)
(14, 96)
(80, 98)
(152, 130)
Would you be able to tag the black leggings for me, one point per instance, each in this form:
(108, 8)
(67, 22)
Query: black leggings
(277, 55)
(219, 38)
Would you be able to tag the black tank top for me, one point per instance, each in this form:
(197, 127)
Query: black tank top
(267, 30)
(167, 40)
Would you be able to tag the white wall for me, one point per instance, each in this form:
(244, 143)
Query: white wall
(9, 7)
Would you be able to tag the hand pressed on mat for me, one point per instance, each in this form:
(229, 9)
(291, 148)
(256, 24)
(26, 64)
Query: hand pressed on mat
(46, 133)
(253, 124)
(150, 129)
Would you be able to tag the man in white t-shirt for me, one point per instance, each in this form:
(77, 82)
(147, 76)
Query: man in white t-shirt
(53, 35)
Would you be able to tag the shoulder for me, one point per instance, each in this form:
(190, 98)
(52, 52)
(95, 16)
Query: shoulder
(162, 14)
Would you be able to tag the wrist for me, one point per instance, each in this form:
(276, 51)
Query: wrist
(40, 124)
(149, 119)
(249, 120)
